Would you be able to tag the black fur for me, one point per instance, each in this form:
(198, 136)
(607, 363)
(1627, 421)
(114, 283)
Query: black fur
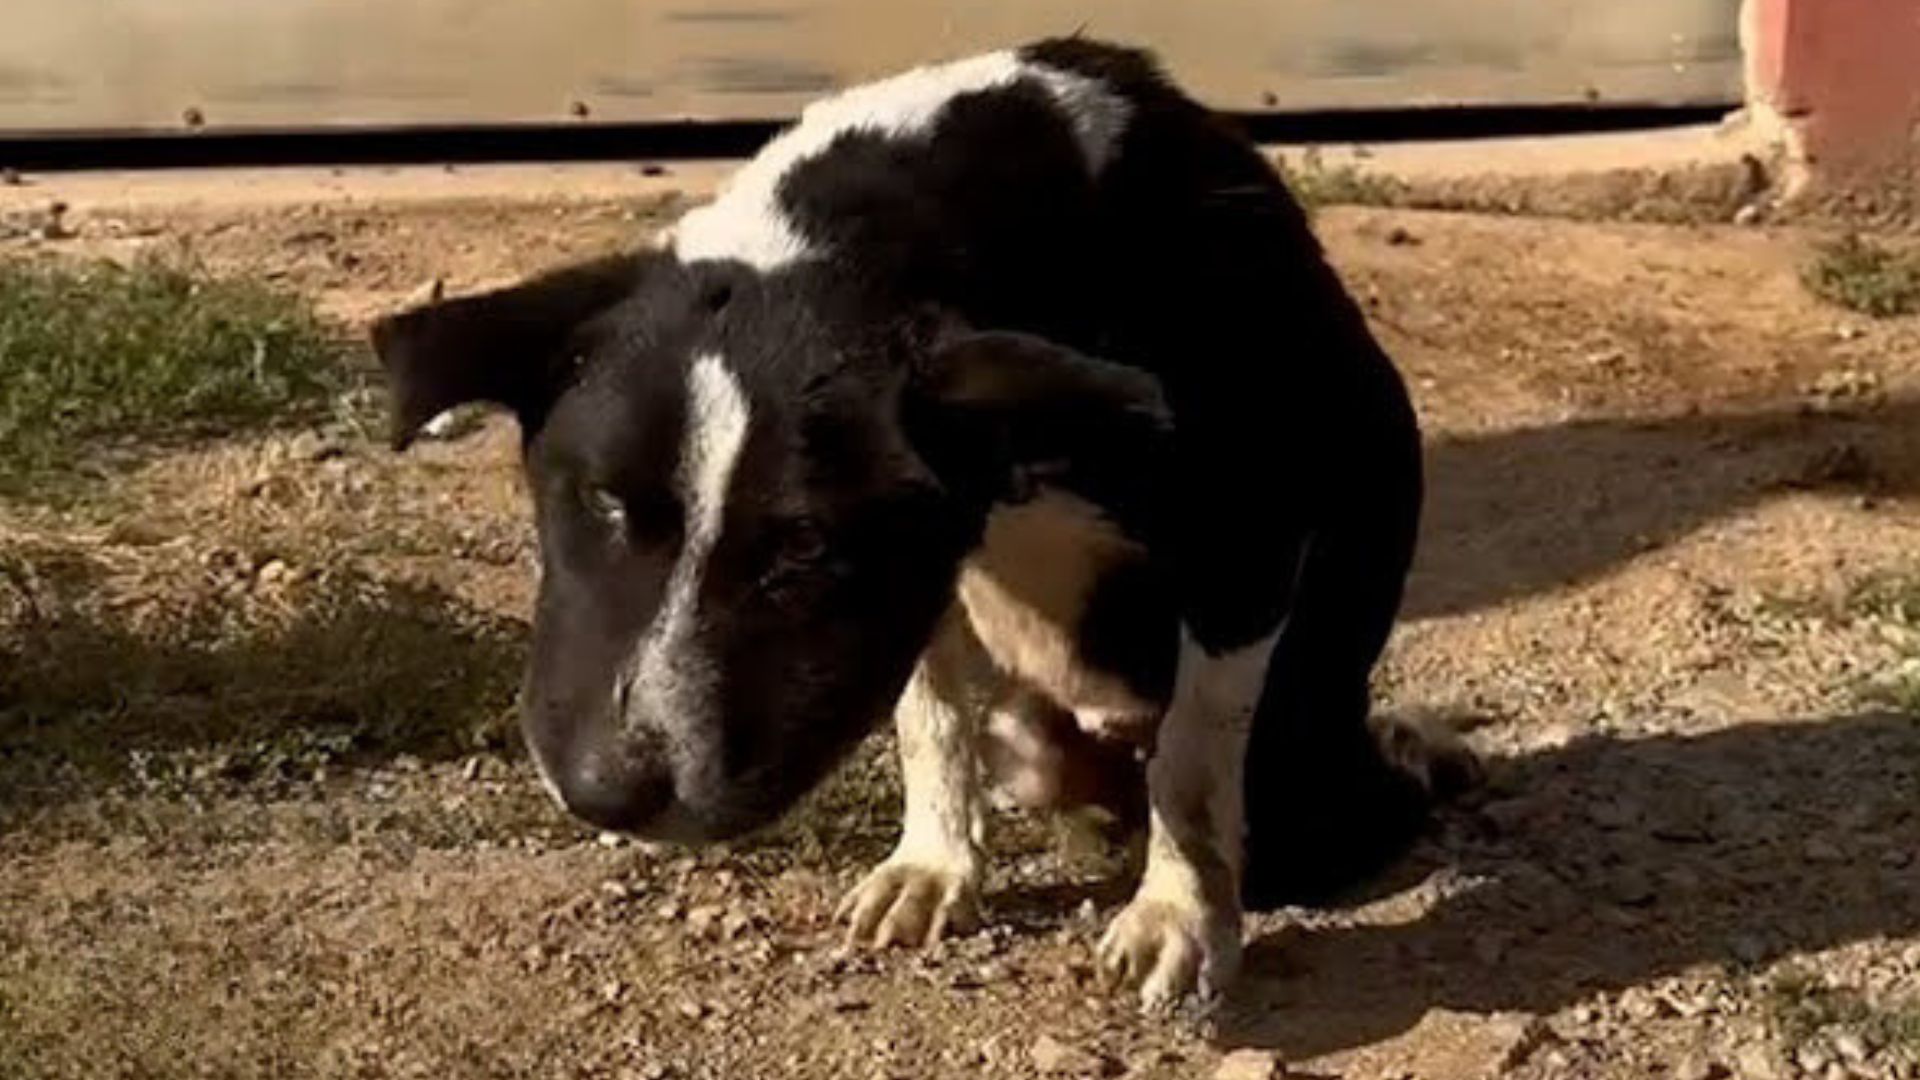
(985, 317)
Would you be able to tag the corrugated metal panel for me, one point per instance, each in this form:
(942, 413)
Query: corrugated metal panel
(69, 65)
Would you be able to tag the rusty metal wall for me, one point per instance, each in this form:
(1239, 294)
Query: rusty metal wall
(116, 65)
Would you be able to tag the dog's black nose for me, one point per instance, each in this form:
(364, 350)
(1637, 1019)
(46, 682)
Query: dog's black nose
(619, 788)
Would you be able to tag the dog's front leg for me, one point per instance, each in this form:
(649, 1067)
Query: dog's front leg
(931, 882)
(1180, 934)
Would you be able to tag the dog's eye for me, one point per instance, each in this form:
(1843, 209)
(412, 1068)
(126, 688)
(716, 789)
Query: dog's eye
(803, 541)
(605, 505)
(791, 552)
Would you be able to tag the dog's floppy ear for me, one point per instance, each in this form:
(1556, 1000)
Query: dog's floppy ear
(504, 347)
(993, 408)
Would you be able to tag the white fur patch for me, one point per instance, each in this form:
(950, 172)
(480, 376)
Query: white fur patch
(931, 882)
(1180, 934)
(746, 222)
(668, 676)
(1099, 115)
(942, 822)
(1198, 762)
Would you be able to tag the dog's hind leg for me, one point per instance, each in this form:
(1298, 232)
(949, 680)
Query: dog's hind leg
(1334, 793)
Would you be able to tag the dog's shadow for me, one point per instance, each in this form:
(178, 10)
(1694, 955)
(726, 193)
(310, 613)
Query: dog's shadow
(1613, 864)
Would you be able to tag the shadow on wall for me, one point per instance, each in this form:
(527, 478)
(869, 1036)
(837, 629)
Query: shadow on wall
(1617, 863)
(1519, 512)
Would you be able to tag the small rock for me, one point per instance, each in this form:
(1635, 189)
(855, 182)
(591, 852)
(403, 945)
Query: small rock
(1511, 815)
(430, 291)
(1749, 214)
(1613, 814)
(705, 921)
(1400, 237)
(610, 839)
(320, 448)
(1055, 1058)
(668, 910)
(11, 178)
(692, 1010)
(1518, 1035)
(471, 770)
(1812, 1059)
(849, 1003)
(653, 168)
(1631, 886)
(1641, 1005)
(273, 572)
(1250, 1065)
(55, 227)
(1822, 850)
(1698, 1066)
(1755, 1063)
(1851, 1046)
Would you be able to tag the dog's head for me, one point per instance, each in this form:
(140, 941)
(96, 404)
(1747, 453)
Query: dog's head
(751, 502)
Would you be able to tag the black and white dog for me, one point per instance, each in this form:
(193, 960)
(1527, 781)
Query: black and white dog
(1013, 397)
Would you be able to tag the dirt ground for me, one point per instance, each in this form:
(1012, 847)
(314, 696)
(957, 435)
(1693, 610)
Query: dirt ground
(1674, 517)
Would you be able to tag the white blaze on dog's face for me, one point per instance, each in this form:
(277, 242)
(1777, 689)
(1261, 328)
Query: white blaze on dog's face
(740, 552)
(749, 520)
(757, 462)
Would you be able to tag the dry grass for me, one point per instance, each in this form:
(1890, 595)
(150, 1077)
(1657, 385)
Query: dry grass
(1317, 184)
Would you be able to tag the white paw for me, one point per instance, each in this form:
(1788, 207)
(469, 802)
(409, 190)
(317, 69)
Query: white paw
(1171, 951)
(908, 902)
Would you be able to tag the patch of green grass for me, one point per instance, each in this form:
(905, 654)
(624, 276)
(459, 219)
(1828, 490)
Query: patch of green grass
(97, 357)
(1802, 1007)
(1864, 276)
(1317, 184)
(1891, 600)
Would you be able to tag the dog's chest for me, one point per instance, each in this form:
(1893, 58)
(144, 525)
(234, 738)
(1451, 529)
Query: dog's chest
(1029, 593)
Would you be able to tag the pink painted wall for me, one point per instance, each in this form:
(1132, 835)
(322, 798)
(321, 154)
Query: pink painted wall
(1845, 75)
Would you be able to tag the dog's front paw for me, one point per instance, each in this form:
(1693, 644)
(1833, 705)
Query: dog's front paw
(905, 901)
(1171, 950)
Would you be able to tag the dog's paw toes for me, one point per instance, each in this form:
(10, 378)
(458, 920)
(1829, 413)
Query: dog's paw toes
(1171, 952)
(904, 902)
(1428, 748)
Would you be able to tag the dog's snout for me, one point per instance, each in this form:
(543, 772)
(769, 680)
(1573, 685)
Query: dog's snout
(622, 789)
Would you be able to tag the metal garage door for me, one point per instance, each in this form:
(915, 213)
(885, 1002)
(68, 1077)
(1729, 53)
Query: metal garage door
(109, 65)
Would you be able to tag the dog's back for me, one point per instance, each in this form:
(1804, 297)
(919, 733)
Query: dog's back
(1026, 355)
(1068, 190)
